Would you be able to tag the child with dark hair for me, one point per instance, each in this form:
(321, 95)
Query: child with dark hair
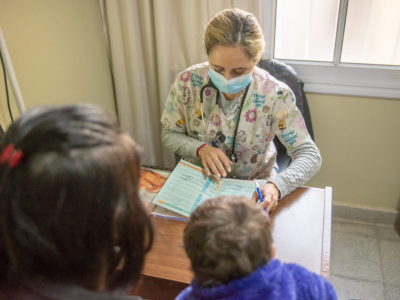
(72, 225)
(228, 240)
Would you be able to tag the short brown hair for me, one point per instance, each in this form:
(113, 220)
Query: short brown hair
(226, 238)
(233, 27)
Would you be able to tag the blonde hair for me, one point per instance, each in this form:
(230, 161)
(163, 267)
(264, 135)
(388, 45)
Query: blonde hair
(233, 27)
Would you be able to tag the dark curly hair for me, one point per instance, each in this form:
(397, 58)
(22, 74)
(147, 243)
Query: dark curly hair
(226, 238)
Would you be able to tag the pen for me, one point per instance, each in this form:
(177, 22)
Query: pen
(260, 196)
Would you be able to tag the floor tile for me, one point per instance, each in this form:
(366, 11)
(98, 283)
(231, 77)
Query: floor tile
(357, 289)
(355, 256)
(388, 232)
(351, 227)
(390, 256)
(392, 292)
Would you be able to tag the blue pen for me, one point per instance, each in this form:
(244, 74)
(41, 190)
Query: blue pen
(260, 196)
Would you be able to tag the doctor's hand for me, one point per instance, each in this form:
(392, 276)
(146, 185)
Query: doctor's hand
(270, 194)
(216, 160)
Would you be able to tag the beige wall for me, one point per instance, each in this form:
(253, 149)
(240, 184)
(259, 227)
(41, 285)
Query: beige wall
(359, 139)
(58, 51)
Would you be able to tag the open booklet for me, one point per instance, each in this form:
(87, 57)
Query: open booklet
(151, 181)
(188, 185)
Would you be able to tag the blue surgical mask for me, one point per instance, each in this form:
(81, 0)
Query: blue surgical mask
(232, 86)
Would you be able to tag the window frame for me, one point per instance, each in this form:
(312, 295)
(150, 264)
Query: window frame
(367, 80)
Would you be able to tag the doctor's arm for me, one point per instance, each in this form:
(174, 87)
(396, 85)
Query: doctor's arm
(180, 143)
(306, 162)
(213, 159)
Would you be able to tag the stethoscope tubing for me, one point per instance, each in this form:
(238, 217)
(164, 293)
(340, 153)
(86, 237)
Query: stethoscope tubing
(210, 84)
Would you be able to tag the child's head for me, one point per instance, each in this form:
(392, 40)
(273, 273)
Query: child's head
(69, 209)
(227, 238)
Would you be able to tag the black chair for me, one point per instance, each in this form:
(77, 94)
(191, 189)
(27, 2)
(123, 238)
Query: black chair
(288, 75)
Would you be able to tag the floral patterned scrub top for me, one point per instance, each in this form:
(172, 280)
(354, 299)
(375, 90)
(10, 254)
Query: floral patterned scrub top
(268, 110)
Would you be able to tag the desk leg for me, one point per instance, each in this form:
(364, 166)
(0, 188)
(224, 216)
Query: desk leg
(326, 238)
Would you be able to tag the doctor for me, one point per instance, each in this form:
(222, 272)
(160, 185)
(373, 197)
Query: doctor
(224, 114)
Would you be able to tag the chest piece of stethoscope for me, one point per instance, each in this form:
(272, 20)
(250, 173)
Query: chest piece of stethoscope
(234, 158)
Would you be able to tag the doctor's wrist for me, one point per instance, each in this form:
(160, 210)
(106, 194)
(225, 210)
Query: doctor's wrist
(200, 149)
(280, 184)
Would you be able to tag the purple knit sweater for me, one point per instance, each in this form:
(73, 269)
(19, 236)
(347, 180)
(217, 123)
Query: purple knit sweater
(273, 281)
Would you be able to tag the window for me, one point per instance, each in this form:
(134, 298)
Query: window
(349, 47)
(372, 32)
(306, 29)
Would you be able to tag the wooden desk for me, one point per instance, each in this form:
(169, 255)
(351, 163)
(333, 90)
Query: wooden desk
(301, 234)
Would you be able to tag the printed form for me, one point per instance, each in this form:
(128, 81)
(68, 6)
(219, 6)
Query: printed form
(188, 186)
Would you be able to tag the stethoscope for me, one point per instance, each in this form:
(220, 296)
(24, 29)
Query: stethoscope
(210, 84)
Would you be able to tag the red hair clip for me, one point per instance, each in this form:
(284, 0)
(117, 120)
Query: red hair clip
(11, 155)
